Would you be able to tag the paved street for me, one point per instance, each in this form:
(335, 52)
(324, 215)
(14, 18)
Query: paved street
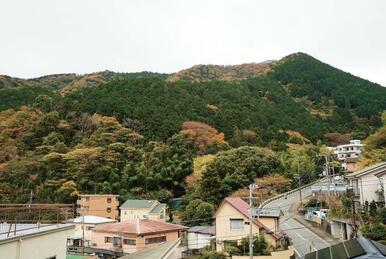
(302, 238)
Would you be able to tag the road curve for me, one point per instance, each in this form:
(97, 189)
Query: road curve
(303, 238)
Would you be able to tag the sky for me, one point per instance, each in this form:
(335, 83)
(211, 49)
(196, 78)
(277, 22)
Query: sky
(43, 37)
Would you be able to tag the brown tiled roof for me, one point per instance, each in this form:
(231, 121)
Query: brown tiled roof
(243, 207)
(139, 227)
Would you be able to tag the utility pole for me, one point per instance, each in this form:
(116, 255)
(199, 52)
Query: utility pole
(251, 187)
(300, 183)
(30, 198)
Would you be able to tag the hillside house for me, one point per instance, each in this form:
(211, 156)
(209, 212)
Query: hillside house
(232, 223)
(133, 235)
(143, 209)
(368, 184)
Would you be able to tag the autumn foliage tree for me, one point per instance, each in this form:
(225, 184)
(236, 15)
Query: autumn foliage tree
(202, 136)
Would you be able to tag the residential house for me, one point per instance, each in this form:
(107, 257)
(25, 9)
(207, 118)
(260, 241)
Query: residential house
(26, 241)
(348, 153)
(200, 236)
(367, 184)
(232, 223)
(105, 205)
(83, 227)
(133, 235)
(143, 209)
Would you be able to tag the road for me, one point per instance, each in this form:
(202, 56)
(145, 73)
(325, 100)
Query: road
(303, 238)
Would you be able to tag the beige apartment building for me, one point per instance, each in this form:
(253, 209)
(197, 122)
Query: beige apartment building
(101, 205)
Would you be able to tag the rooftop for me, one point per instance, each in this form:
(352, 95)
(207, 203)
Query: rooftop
(159, 251)
(98, 195)
(139, 227)
(158, 208)
(360, 248)
(28, 230)
(91, 220)
(203, 230)
(138, 204)
(367, 170)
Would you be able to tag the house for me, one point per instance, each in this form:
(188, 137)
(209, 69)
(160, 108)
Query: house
(367, 184)
(83, 227)
(26, 241)
(358, 248)
(200, 236)
(166, 250)
(133, 235)
(105, 205)
(232, 223)
(348, 152)
(143, 209)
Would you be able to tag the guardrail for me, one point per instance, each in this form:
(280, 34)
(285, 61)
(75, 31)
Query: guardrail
(266, 202)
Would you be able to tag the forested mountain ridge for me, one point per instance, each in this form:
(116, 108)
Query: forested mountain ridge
(139, 134)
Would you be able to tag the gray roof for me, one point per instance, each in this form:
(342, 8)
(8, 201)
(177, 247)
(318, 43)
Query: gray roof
(211, 230)
(158, 208)
(138, 204)
(29, 230)
(90, 220)
(367, 170)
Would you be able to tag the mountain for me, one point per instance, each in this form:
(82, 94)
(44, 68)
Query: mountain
(297, 93)
(201, 73)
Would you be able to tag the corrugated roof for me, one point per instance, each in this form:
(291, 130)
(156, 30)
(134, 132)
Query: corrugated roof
(139, 227)
(158, 208)
(138, 204)
(203, 230)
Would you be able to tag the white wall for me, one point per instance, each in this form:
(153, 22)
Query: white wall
(198, 240)
(37, 246)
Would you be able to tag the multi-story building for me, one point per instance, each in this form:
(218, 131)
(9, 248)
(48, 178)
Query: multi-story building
(349, 152)
(105, 205)
(143, 209)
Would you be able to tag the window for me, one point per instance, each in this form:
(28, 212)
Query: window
(237, 224)
(51, 257)
(154, 240)
(108, 200)
(108, 210)
(161, 216)
(108, 239)
(131, 242)
(145, 216)
(89, 228)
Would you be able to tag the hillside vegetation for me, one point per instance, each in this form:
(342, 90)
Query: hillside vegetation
(138, 134)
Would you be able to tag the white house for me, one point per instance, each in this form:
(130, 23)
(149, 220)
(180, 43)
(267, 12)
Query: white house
(200, 236)
(83, 227)
(28, 241)
(368, 183)
(143, 209)
(348, 152)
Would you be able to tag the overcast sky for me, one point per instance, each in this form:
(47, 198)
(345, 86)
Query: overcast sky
(42, 37)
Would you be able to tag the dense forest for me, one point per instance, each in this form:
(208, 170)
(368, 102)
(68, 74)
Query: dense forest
(201, 134)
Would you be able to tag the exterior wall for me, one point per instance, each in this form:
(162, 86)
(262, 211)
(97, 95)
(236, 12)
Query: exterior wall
(127, 214)
(368, 184)
(337, 229)
(87, 233)
(271, 223)
(38, 246)
(223, 230)
(97, 205)
(351, 167)
(98, 240)
(198, 240)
